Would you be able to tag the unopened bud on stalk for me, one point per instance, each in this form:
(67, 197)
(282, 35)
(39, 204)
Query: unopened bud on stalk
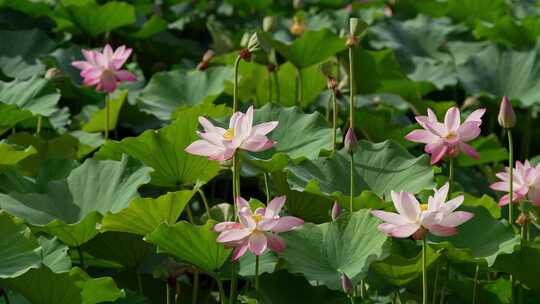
(336, 211)
(245, 54)
(352, 42)
(346, 283)
(208, 55)
(331, 83)
(202, 66)
(350, 142)
(54, 74)
(522, 219)
(268, 23)
(298, 27)
(507, 117)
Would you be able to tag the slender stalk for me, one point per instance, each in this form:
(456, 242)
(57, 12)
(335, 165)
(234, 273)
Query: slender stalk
(257, 273)
(475, 283)
(81, 258)
(190, 215)
(168, 291)
(352, 299)
(424, 271)
(328, 106)
(269, 86)
(232, 291)
(334, 120)
(205, 202)
(139, 280)
(443, 291)
(351, 88)
(221, 291)
(236, 193)
(351, 199)
(451, 176)
(511, 177)
(6, 297)
(39, 123)
(277, 85)
(235, 84)
(299, 88)
(177, 293)
(363, 290)
(267, 188)
(195, 286)
(435, 283)
(107, 114)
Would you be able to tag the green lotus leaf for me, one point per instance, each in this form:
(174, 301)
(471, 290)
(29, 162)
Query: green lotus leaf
(509, 31)
(298, 136)
(43, 286)
(21, 51)
(151, 27)
(19, 250)
(194, 244)
(91, 18)
(97, 121)
(10, 155)
(71, 207)
(268, 262)
(55, 254)
(307, 50)
(523, 264)
(490, 150)
(514, 75)
(144, 215)
(480, 240)
(348, 245)
(380, 168)
(11, 115)
(35, 95)
(127, 249)
(163, 150)
(167, 91)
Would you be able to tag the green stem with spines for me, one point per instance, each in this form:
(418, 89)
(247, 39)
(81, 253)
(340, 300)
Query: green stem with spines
(424, 271)
(39, 124)
(266, 187)
(511, 177)
(334, 120)
(351, 199)
(168, 291)
(277, 85)
(107, 114)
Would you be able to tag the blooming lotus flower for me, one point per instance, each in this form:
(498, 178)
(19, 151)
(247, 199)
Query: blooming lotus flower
(526, 183)
(450, 137)
(414, 219)
(220, 144)
(257, 230)
(104, 69)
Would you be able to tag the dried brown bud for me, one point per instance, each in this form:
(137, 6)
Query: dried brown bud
(338, 93)
(54, 74)
(352, 42)
(331, 83)
(271, 67)
(522, 219)
(245, 54)
(202, 66)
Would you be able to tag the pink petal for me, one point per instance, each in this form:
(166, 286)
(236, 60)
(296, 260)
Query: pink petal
(209, 127)
(456, 218)
(469, 150)
(108, 82)
(452, 119)
(436, 201)
(257, 243)
(403, 231)
(500, 186)
(287, 223)
(203, 148)
(82, 65)
(476, 116)
(439, 230)
(241, 204)
(264, 128)
(213, 138)
(421, 136)
(90, 56)
(245, 218)
(431, 115)
(257, 143)
(91, 73)
(275, 242)
(240, 250)
(468, 130)
(124, 75)
(223, 155)
(389, 217)
(534, 195)
(220, 227)
(438, 153)
(274, 207)
(453, 204)
(233, 235)
(436, 128)
(234, 119)
(267, 224)
(407, 206)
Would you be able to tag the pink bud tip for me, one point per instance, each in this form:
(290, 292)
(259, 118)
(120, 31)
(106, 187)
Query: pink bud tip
(336, 211)
(350, 142)
(507, 117)
(346, 283)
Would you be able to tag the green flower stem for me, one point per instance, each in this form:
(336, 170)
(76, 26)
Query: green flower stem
(351, 88)
(511, 177)
(352, 299)
(299, 88)
(6, 297)
(334, 120)
(221, 291)
(277, 85)
(81, 258)
(107, 114)
(235, 84)
(39, 123)
(435, 283)
(205, 202)
(351, 199)
(363, 290)
(475, 286)
(168, 291)
(267, 188)
(269, 86)
(236, 193)
(232, 291)
(195, 286)
(451, 176)
(139, 280)
(190, 215)
(257, 273)
(424, 271)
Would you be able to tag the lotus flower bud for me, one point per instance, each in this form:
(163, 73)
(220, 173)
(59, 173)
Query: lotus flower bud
(331, 83)
(208, 55)
(336, 211)
(269, 22)
(54, 74)
(352, 42)
(507, 117)
(202, 66)
(253, 43)
(522, 219)
(298, 27)
(351, 142)
(245, 54)
(346, 283)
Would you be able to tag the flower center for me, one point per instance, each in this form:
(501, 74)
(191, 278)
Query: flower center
(257, 218)
(229, 134)
(452, 136)
(424, 207)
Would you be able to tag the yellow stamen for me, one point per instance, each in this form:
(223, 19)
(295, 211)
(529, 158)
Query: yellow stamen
(423, 207)
(451, 136)
(257, 218)
(229, 134)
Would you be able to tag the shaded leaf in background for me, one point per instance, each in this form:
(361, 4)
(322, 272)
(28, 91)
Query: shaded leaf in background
(523, 263)
(35, 95)
(10, 155)
(490, 150)
(127, 249)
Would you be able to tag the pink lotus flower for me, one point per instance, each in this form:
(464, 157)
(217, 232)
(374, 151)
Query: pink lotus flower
(450, 137)
(104, 69)
(257, 230)
(526, 183)
(415, 219)
(220, 144)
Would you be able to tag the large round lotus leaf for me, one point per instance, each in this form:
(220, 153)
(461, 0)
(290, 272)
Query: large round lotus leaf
(298, 136)
(127, 249)
(163, 150)
(523, 263)
(20, 52)
(515, 74)
(71, 207)
(167, 91)
(144, 215)
(194, 244)
(480, 240)
(19, 250)
(91, 18)
(380, 168)
(35, 95)
(348, 245)
(306, 50)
